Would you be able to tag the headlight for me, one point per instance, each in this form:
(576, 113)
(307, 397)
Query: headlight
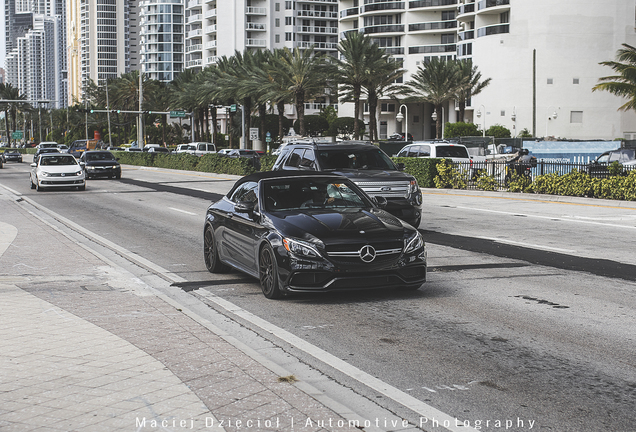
(90, 167)
(79, 173)
(301, 248)
(413, 187)
(414, 242)
(44, 174)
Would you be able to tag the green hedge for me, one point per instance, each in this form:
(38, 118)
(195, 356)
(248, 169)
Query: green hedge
(430, 173)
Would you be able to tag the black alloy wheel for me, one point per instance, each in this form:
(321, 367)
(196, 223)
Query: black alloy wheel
(210, 254)
(268, 273)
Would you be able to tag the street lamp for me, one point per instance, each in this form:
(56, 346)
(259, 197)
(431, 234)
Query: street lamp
(484, 119)
(434, 117)
(399, 117)
(552, 116)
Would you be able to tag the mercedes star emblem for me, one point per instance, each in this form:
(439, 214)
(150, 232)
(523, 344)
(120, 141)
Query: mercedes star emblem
(367, 253)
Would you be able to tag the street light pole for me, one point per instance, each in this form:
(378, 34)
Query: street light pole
(483, 120)
(399, 117)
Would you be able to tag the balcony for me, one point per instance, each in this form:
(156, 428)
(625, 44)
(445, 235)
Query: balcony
(395, 28)
(349, 12)
(194, 18)
(211, 44)
(193, 63)
(432, 49)
(466, 35)
(317, 14)
(493, 29)
(197, 47)
(432, 26)
(210, 29)
(432, 3)
(194, 3)
(212, 60)
(318, 45)
(485, 4)
(251, 26)
(255, 10)
(209, 14)
(394, 50)
(384, 6)
(467, 8)
(317, 30)
(256, 43)
(195, 33)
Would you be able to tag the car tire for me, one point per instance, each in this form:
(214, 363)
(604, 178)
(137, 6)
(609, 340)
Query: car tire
(31, 181)
(37, 185)
(211, 255)
(268, 273)
(82, 187)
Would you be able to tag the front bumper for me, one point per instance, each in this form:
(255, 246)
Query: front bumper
(103, 171)
(299, 275)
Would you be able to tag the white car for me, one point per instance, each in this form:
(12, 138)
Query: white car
(57, 170)
(436, 149)
(185, 148)
(46, 144)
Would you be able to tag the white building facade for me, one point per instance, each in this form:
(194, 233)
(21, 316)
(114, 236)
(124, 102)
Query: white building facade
(543, 57)
(162, 40)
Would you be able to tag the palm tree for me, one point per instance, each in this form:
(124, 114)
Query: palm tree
(382, 83)
(10, 93)
(472, 85)
(183, 93)
(304, 76)
(353, 70)
(437, 83)
(274, 86)
(624, 83)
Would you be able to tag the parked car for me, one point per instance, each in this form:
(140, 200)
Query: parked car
(57, 170)
(163, 150)
(77, 147)
(63, 148)
(185, 148)
(100, 163)
(599, 167)
(202, 148)
(311, 232)
(12, 155)
(224, 152)
(436, 149)
(365, 164)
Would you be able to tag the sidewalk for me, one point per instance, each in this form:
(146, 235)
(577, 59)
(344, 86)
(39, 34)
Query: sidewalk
(86, 347)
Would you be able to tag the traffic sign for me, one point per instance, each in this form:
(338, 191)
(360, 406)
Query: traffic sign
(233, 108)
(177, 114)
(17, 135)
(254, 134)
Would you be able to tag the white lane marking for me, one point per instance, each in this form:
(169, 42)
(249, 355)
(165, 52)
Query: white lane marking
(530, 245)
(567, 219)
(414, 404)
(182, 211)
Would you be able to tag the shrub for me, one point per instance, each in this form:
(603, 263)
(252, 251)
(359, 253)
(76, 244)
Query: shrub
(486, 182)
(449, 176)
(424, 170)
(498, 131)
(456, 130)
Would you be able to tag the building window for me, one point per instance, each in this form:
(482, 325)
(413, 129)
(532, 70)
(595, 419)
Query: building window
(288, 36)
(575, 80)
(387, 107)
(288, 20)
(277, 7)
(503, 113)
(288, 5)
(277, 38)
(550, 81)
(576, 116)
(277, 22)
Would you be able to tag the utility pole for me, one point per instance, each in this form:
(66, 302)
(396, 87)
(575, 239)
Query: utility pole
(140, 129)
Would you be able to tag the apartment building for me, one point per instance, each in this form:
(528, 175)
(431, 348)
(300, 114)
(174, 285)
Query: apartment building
(543, 58)
(36, 56)
(162, 39)
(100, 42)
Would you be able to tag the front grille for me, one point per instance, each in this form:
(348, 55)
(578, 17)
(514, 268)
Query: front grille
(399, 189)
(348, 255)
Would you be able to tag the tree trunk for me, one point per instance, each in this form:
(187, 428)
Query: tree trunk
(300, 108)
(281, 116)
(356, 113)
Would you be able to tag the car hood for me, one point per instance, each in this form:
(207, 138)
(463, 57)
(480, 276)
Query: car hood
(346, 225)
(60, 168)
(102, 163)
(373, 175)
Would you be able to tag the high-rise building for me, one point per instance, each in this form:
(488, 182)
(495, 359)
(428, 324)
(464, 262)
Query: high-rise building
(162, 40)
(36, 55)
(543, 58)
(99, 42)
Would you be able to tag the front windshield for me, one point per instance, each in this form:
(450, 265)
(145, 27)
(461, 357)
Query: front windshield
(99, 156)
(311, 193)
(363, 159)
(58, 160)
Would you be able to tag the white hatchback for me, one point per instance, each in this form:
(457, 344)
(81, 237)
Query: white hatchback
(57, 170)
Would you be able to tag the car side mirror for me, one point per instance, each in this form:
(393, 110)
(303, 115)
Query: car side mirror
(380, 201)
(400, 166)
(83, 164)
(33, 165)
(245, 207)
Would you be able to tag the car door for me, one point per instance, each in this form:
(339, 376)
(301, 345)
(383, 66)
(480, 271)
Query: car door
(240, 237)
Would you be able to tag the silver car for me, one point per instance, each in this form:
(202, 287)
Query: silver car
(57, 170)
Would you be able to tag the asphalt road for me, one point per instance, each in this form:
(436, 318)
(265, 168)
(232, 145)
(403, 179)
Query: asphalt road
(527, 318)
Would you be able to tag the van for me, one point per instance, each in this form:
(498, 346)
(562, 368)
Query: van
(202, 148)
(80, 146)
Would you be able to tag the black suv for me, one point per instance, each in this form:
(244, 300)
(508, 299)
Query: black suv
(366, 165)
